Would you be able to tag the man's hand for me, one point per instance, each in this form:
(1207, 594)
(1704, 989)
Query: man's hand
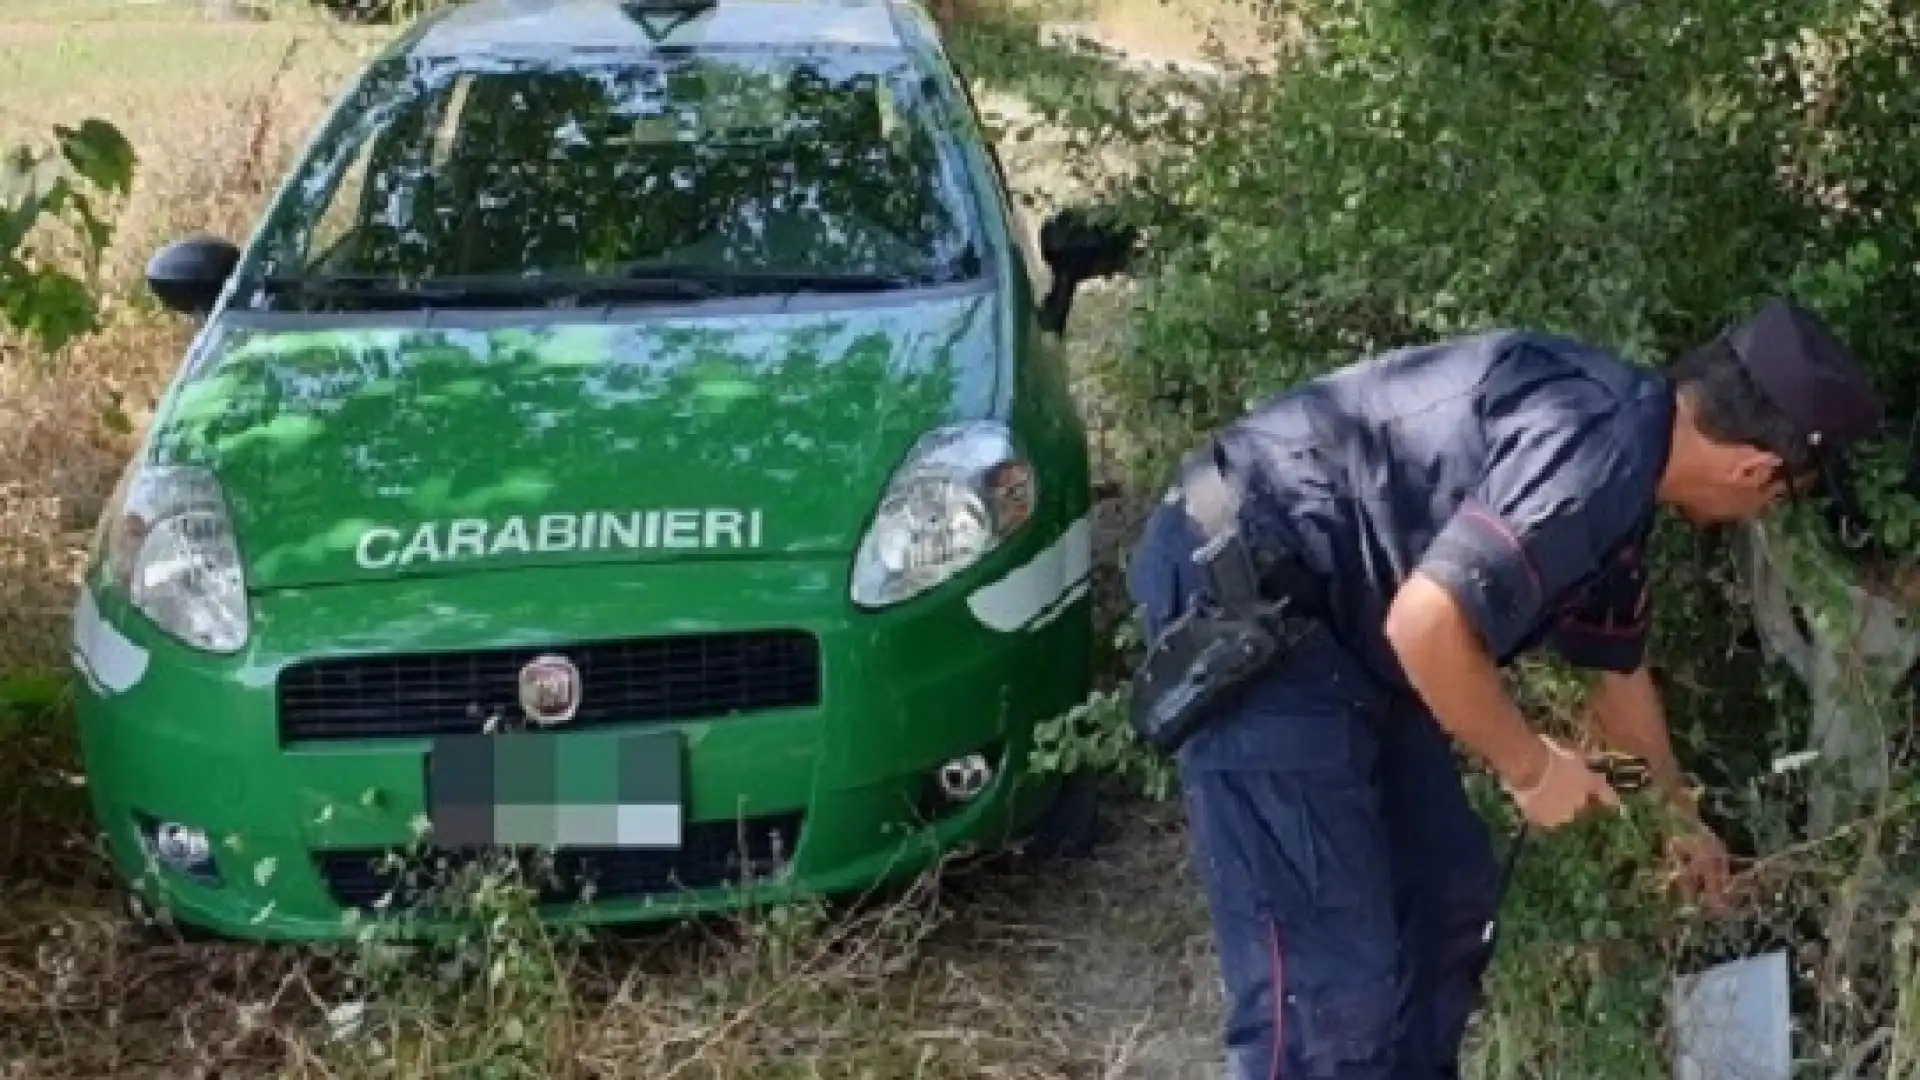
(1627, 712)
(1566, 789)
(1701, 867)
(1628, 718)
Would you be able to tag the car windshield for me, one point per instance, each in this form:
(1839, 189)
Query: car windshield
(708, 170)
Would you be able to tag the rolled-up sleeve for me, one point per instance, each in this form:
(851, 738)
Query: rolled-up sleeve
(1560, 489)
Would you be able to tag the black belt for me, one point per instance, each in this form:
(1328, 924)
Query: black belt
(1212, 492)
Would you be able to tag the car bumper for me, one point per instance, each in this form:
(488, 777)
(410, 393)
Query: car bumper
(822, 798)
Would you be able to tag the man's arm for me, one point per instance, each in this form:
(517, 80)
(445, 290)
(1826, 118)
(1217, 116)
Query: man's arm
(1628, 717)
(1562, 486)
(1608, 634)
(1445, 660)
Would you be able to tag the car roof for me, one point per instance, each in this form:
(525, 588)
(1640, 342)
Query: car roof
(496, 27)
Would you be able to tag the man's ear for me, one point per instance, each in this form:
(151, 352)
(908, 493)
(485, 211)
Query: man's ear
(1752, 467)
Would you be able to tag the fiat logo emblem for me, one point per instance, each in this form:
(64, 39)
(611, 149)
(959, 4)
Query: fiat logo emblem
(550, 690)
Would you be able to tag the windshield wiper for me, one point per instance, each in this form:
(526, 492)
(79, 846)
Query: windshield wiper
(748, 281)
(365, 287)
(630, 282)
(479, 289)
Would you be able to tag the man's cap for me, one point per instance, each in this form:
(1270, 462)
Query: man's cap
(1808, 375)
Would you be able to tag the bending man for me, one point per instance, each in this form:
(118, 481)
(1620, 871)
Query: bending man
(1447, 508)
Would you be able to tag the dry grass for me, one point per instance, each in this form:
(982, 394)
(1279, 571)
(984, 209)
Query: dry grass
(988, 971)
(989, 974)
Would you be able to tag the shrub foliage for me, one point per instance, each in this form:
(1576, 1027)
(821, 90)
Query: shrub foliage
(1635, 174)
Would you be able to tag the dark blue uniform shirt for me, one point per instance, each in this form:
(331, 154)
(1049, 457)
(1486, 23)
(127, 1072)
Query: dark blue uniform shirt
(1517, 469)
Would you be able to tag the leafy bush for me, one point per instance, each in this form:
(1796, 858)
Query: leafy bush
(1610, 173)
(1633, 174)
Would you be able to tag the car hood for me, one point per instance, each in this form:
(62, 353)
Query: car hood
(402, 450)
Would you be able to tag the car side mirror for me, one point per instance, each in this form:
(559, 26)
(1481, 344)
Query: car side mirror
(187, 275)
(1078, 247)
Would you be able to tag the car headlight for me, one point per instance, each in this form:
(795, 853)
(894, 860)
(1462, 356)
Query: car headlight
(167, 544)
(960, 492)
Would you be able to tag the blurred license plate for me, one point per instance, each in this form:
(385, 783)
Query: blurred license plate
(549, 791)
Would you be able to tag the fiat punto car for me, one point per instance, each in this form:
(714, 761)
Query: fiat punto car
(632, 434)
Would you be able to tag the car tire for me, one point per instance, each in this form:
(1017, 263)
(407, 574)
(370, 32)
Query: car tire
(1071, 827)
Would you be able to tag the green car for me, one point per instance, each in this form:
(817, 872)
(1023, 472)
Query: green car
(632, 435)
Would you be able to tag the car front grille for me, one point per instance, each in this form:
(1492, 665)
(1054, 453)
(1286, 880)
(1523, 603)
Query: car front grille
(718, 854)
(659, 679)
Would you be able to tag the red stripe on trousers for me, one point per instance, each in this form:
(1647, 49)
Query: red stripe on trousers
(1279, 1000)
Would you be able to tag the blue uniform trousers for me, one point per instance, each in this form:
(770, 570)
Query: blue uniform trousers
(1348, 878)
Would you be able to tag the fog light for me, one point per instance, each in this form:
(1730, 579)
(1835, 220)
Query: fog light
(182, 849)
(964, 778)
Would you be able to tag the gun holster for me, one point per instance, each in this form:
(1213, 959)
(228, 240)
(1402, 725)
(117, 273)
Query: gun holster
(1201, 659)
(1228, 633)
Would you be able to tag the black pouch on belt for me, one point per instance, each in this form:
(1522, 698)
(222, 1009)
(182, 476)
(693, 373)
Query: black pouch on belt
(1228, 633)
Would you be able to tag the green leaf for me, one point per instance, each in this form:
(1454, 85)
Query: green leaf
(40, 194)
(99, 151)
(50, 305)
(99, 231)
